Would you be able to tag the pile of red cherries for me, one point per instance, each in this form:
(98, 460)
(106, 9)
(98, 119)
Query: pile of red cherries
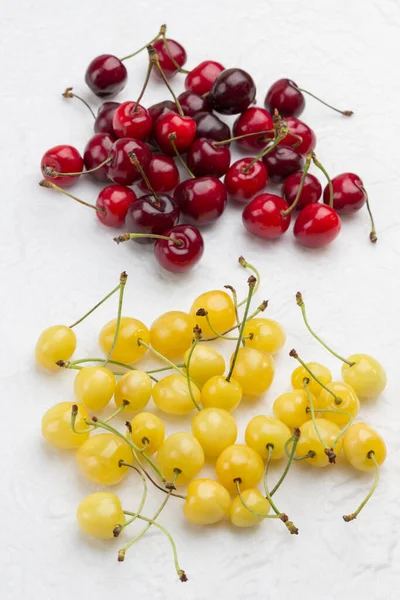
(138, 146)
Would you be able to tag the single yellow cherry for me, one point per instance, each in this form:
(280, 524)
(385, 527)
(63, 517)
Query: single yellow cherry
(215, 429)
(239, 462)
(263, 431)
(55, 343)
(98, 458)
(367, 377)
(240, 516)
(349, 403)
(171, 334)
(310, 442)
(180, 457)
(94, 387)
(172, 395)
(99, 513)
(207, 502)
(254, 371)
(127, 349)
(268, 335)
(136, 387)
(359, 441)
(147, 430)
(221, 312)
(56, 426)
(217, 392)
(291, 408)
(322, 373)
(205, 362)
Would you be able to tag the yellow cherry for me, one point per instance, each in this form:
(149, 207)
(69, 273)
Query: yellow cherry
(171, 334)
(349, 403)
(94, 387)
(99, 513)
(322, 373)
(215, 429)
(242, 463)
(310, 442)
(291, 408)
(56, 426)
(127, 349)
(254, 371)
(205, 362)
(180, 457)
(207, 502)
(221, 312)
(98, 458)
(268, 335)
(359, 441)
(55, 343)
(172, 395)
(241, 516)
(136, 387)
(147, 429)
(367, 377)
(217, 392)
(263, 431)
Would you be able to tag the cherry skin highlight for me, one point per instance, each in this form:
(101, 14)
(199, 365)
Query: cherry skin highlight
(243, 186)
(106, 75)
(173, 49)
(115, 200)
(203, 199)
(211, 127)
(192, 103)
(162, 174)
(131, 122)
(232, 92)
(252, 120)
(311, 192)
(316, 225)
(307, 141)
(104, 119)
(203, 158)
(348, 195)
(281, 162)
(179, 259)
(263, 216)
(201, 79)
(286, 98)
(183, 127)
(96, 151)
(149, 214)
(64, 159)
(121, 170)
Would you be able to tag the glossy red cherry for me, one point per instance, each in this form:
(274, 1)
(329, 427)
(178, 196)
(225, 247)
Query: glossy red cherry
(243, 184)
(203, 158)
(316, 225)
(104, 120)
(150, 214)
(285, 96)
(281, 162)
(232, 92)
(182, 257)
(156, 110)
(184, 129)
(300, 137)
(201, 79)
(211, 127)
(263, 216)
(348, 193)
(96, 151)
(132, 121)
(311, 192)
(192, 103)
(115, 201)
(63, 159)
(121, 169)
(106, 75)
(174, 50)
(203, 198)
(253, 120)
(162, 174)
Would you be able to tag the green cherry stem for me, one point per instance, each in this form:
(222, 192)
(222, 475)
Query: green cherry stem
(196, 338)
(328, 450)
(119, 410)
(282, 516)
(352, 516)
(307, 164)
(95, 307)
(295, 439)
(172, 138)
(182, 366)
(252, 281)
(51, 172)
(309, 454)
(322, 168)
(178, 66)
(372, 236)
(278, 138)
(75, 363)
(68, 93)
(153, 58)
(340, 412)
(161, 357)
(246, 265)
(134, 160)
(235, 306)
(118, 528)
(241, 137)
(154, 236)
(202, 312)
(261, 308)
(294, 354)
(251, 510)
(68, 365)
(162, 31)
(50, 185)
(142, 91)
(122, 283)
(345, 113)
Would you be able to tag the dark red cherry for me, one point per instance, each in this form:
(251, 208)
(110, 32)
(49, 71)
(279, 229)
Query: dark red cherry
(285, 96)
(96, 151)
(165, 52)
(243, 184)
(201, 79)
(252, 120)
(183, 127)
(106, 75)
(63, 159)
(311, 192)
(203, 198)
(348, 193)
(211, 127)
(316, 225)
(156, 110)
(162, 174)
(180, 258)
(263, 216)
(121, 169)
(281, 162)
(203, 158)
(300, 137)
(149, 214)
(115, 201)
(131, 122)
(233, 91)
(104, 119)
(192, 103)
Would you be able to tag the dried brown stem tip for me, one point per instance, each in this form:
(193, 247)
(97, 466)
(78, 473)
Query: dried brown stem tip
(68, 93)
(182, 575)
(117, 530)
(197, 332)
(121, 556)
(292, 528)
(201, 312)
(50, 172)
(122, 238)
(125, 402)
(229, 287)
(331, 455)
(169, 485)
(347, 113)
(128, 426)
(349, 518)
(74, 409)
(242, 261)
(61, 363)
(293, 353)
(123, 278)
(252, 281)
(172, 135)
(153, 55)
(263, 305)
(373, 237)
(296, 433)
(299, 299)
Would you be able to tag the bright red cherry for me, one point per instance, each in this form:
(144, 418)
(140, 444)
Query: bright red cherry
(281, 162)
(96, 151)
(263, 216)
(184, 129)
(316, 225)
(211, 127)
(203, 198)
(115, 201)
(121, 170)
(311, 192)
(151, 214)
(132, 121)
(63, 159)
(162, 174)
(232, 92)
(192, 103)
(180, 258)
(243, 182)
(165, 50)
(348, 193)
(205, 158)
(300, 137)
(286, 98)
(156, 110)
(253, 120)
(201, 79)
(104, 119)
(106, 75)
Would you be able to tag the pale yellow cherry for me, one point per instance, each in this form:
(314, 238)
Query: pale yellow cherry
(94, 387)
(359, 441)
(239, 462)
(291, 408)
(322, 373)
(263, 432)
(310, 442)
(217, 392)
(135, 387)
(171, 334)
(180, 457)
(221, 312)
(267, 335)
(207, 502)
(367, 377)
(99, 513)
(148, 432)
(127, 349)
(240, 516)
(215, 429)
(254, 371)
(205, 362)
(55, 343)
(172, 395)
(99, 458)
(56, 426)
(349, 403)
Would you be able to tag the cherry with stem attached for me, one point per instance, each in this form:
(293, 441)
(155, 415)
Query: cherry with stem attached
(105, 113)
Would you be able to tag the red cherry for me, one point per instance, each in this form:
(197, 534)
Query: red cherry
(115, 201)
(156, 110)
(162, 174)
(300, 137)
(203, 199)
(232, 92)
(174, 50)
(263, 216)
(104, 119)
(128, 122)
(348, 193)
(316, 225)
(311, 192)
(201, 79)
(63, 159)
(192, 103)
(241, 184)
(106, 75)
(150, 214)
(286, 98)
(180, 258)
(253, 120)
(184, 129)
(211, 127)
(281, 162)
(96, 151)
(203, 158)
(121, 169)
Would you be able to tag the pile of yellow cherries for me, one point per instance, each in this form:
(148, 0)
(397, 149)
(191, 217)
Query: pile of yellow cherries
(314, 422)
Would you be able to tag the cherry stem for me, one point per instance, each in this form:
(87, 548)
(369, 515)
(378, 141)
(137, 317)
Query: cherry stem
(251, 283)
(172, 138)
(196, 338)
(95, 307)
(372, 236)
(69, 94)
(153, 58)
(340, 412)
(306, 381)
(51, 172)
(177, 65)
(279, 137)
(131, 236)
(118, 528)
(49, 184)
(283, 517)
(261, 308)
(235, 304)
(122, 284)
(251, 510)
(71, 365)
(119, 410)
(300, 302)
(203, 313)
(67, 365)
(322, 168)
(354, 515)
(346, 113)
(246, 265)
(286, 212)
(142, 91)
(149, 477)
(295, 439)
(161, 357)
(134, 160)
(162, 31)
(294, 354)
(244, 136)
(309, 454)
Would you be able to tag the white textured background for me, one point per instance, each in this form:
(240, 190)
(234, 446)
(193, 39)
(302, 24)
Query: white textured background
(56, 261)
